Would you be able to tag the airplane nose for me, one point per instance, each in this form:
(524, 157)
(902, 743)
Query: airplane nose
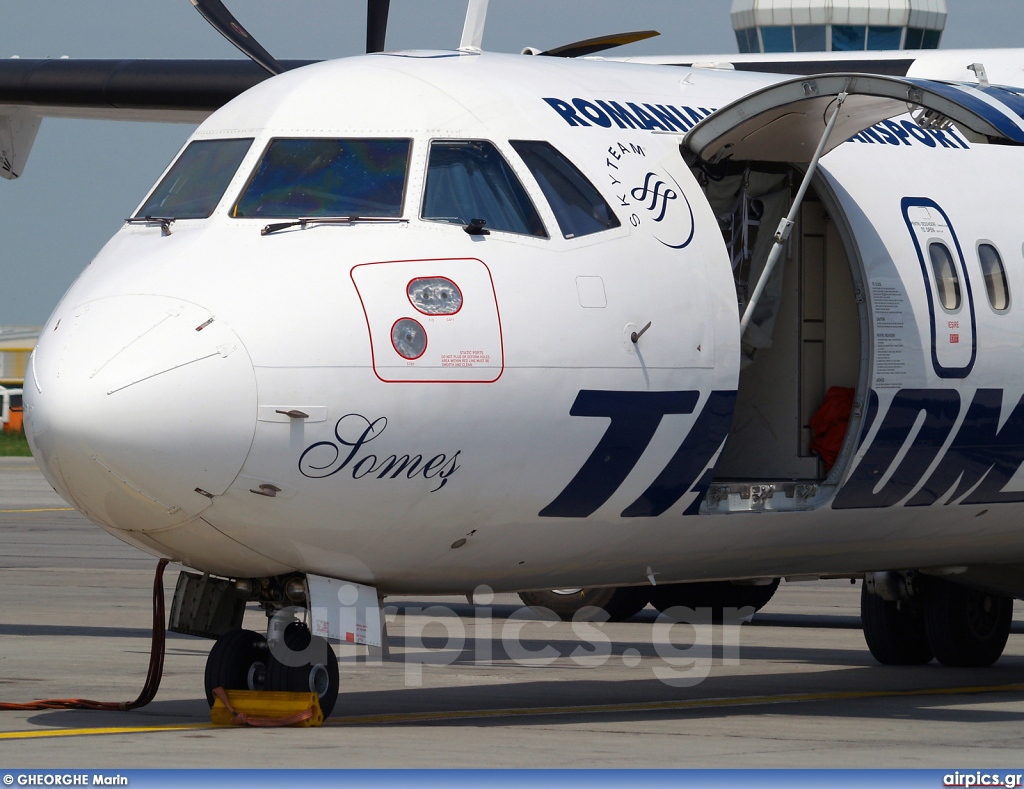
(140, 409)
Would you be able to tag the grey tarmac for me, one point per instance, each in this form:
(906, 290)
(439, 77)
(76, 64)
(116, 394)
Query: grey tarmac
(794, 688)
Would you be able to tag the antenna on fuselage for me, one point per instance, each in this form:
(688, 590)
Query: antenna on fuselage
(473, 30)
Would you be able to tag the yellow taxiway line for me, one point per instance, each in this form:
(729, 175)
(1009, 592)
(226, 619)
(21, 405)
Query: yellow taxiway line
(48, 734)
(662, 706)
(44, 509)
(523, 712)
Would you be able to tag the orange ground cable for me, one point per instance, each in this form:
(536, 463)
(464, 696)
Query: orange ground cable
(156, 666)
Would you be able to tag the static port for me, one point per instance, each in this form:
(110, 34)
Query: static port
(409, 338)
(435, 296)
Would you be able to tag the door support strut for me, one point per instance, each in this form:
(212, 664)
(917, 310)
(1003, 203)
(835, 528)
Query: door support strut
(786, 224)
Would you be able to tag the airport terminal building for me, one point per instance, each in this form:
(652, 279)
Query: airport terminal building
(837, 25)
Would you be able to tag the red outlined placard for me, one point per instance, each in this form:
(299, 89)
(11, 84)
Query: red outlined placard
(465, 346)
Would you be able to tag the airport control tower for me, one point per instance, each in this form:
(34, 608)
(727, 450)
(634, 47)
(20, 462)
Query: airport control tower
(837, 25)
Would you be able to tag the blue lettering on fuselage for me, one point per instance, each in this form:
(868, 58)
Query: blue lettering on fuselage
(631, 115)
(646, 116)
(634, 418)
(915, 452)
(907, 132)
(978, 463)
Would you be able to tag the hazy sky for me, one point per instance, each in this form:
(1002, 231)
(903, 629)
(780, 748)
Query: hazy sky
(84, 177)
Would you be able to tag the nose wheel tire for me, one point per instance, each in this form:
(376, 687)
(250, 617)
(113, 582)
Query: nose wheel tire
(894, 631)
(307, 663)
(589, 605)
(237, 661)
(966, 627)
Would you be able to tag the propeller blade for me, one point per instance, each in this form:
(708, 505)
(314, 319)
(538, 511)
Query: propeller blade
(376, 24)
(580, 49)
(215, 12)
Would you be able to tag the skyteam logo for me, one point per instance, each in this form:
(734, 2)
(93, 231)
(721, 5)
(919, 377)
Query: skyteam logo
(659, 194)
(654, 198)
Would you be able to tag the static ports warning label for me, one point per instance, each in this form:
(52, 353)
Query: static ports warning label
(466, 359)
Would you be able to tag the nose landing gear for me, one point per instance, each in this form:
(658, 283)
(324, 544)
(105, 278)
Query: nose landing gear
(303, 663)
(298, 662)
(238, 661)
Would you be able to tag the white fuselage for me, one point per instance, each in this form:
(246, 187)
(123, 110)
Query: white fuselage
(158, 394)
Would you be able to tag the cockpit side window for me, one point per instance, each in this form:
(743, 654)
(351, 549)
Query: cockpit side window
(578, 207)
(327, 177)
(469, 179)
(197, 181)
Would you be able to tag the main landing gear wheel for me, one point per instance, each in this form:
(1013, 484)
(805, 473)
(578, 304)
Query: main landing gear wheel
(318, 674)
(716, 595)
(895, 631)
(618, 602)
(238, 661)
(966, 627)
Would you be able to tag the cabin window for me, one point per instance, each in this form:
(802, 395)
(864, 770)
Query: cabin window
(578, 207)
(327, 177)
(197, 181)
(469, 179)
(947, 283)
(995, 277)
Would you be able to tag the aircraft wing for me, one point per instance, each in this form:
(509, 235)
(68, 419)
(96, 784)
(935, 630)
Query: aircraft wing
(174, 91)
(168, 91)
(801, 64)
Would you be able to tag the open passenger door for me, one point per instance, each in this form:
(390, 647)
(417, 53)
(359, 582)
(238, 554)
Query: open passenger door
(800, 120)
(795, 123)
(785, 122)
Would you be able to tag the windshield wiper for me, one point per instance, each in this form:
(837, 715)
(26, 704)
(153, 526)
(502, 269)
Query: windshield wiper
(163, 221)
(328, 220)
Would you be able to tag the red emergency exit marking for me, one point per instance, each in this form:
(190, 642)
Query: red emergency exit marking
(954, 338)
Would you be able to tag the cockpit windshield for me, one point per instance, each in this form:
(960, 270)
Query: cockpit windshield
(327, 177)
(468, 180)
(197, 181)
(578, 207)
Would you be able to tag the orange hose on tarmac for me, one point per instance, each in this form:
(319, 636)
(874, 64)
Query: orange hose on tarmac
(156, 666)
